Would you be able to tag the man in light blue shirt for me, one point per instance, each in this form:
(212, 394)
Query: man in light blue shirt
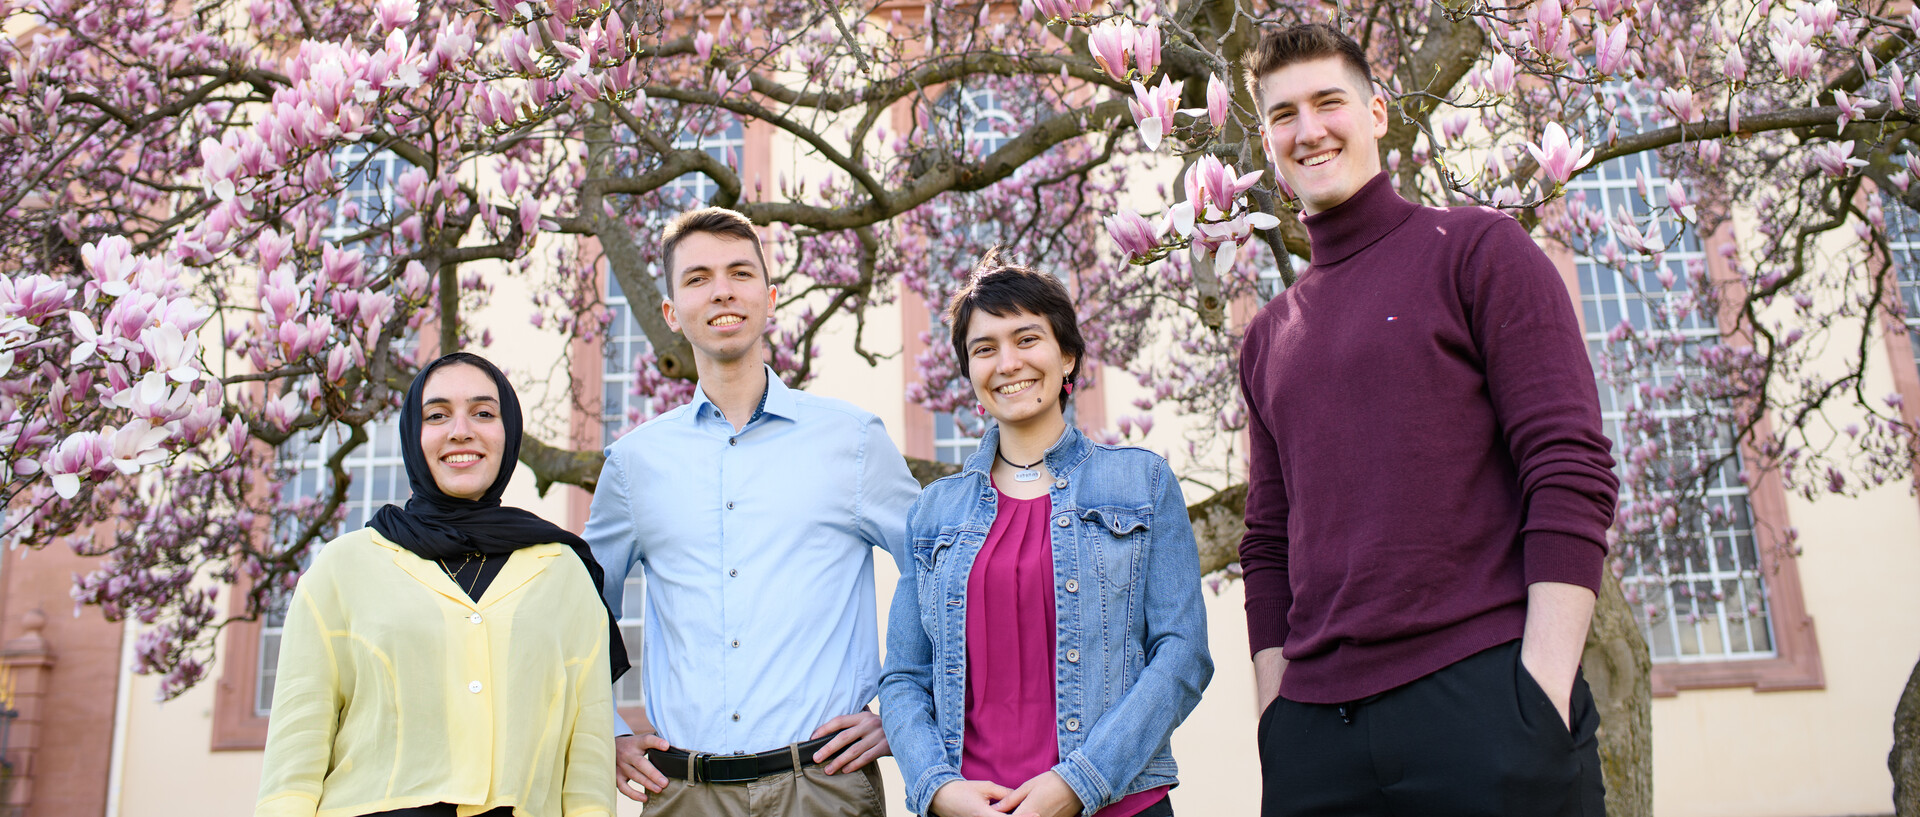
(754, 511)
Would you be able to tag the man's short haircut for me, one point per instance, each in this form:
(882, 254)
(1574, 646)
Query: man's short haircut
(1000, 287)
(714, 221)
(1281, 47)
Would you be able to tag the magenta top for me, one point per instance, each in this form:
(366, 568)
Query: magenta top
(1010, 734)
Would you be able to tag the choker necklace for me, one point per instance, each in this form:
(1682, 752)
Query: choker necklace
(1025, 472)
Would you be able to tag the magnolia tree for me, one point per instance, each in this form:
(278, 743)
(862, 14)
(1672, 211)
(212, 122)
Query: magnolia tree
(230, 227)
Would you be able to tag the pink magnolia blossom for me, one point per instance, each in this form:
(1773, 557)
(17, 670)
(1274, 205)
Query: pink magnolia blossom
(1680, 103)
(82, 455)
(1136, 237)
(1820, 16)
(174, 353)
(1502, 73)
(1835, 159)
(1558, 156)
(1218, 98)
(1851, 107)
(1546, 16)
(1111, 43)
(1153, 110)
(136, 445)
(1610, 47)
(1146, 48)
(33, 296)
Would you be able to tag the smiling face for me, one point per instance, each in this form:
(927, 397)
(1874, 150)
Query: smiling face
(1016, 366)
(1322, 129)
(721, 298)
(461, 432)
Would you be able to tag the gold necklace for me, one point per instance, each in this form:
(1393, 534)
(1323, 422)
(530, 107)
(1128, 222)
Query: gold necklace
(454, 572)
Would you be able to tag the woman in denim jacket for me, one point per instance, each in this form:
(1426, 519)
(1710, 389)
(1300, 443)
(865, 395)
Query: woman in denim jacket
(1048, 634)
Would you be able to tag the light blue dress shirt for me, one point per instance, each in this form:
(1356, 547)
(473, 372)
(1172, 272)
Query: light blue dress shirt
(757, 548)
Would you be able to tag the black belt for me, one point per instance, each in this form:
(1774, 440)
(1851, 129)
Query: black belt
(697, 767)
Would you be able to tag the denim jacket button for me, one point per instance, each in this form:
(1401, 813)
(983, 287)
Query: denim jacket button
(1059, 483)
(1073, 656)
(1073, 585)
(1073, 724)
(1064, 522)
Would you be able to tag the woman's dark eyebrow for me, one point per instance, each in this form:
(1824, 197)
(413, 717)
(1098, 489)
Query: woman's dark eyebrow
(1032, 327)
(485, 398)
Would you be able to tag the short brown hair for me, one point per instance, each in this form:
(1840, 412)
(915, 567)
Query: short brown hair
(1000, 287)
(1281, 47)
(714, 221)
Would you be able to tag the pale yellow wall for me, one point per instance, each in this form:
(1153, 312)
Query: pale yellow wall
(166, 766)
(1742, 753)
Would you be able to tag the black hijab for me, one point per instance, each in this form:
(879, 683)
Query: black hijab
(436, 526)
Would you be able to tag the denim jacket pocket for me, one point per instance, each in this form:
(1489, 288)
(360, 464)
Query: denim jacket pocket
(927, 551)
(1115, 533)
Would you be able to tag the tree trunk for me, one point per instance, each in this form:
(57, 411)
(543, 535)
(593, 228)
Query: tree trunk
(1904, 760)
(1619, 670)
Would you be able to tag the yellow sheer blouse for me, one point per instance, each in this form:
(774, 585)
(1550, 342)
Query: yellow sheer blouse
(395, 689)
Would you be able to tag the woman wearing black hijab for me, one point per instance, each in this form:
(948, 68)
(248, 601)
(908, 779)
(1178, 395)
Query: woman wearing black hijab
(453, 658)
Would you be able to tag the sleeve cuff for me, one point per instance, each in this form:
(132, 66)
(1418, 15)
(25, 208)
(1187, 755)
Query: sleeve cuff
(1085, 781)
(1551, 556)
(1267, 627)
(921, 793)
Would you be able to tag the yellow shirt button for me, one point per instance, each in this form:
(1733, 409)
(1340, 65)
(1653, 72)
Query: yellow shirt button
(474, 687)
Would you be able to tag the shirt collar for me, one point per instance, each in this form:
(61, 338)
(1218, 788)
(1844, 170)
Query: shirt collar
(1355, 224)
(776, 399)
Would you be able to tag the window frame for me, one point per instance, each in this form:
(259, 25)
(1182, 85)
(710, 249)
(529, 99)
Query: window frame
(1795, 663)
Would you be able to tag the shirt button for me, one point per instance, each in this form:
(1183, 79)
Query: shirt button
(474, 687)
(1073, 656)
(475, 618)
(1073, 585)
(729, 506)
(734, 572)
(736, 642)
(733, 441)
(1064, 522)
(1073, 724)
(736, 716)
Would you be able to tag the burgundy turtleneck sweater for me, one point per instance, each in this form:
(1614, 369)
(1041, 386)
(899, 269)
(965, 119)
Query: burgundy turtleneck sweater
(1425, 443)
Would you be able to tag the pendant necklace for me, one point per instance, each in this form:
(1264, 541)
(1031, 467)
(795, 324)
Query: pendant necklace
(1025, 473)
(454, 572)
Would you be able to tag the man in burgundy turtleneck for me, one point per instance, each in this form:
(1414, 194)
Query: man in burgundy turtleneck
(1429, 487)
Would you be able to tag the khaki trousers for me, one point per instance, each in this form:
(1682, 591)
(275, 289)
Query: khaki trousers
(806, 792)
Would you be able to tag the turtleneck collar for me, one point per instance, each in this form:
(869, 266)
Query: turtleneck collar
(1353, 225)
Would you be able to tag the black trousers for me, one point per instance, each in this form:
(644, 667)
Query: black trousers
(1477, 738)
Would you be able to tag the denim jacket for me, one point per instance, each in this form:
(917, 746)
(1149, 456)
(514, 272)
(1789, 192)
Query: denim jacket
(1130, 649)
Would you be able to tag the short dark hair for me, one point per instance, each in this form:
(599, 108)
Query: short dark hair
(1000, 287)
(714, 221)
(1281, 47)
